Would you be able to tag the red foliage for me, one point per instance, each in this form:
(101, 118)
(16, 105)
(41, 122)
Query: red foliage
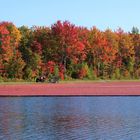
(61, 71)
(66, 33)
(82, 73)
(61, 75)
(67, 38)
(65, 44)
(50, 66)
(77, 53)
(36, 47)
(6, 50)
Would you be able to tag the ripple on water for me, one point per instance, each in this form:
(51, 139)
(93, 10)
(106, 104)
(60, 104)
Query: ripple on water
(80, 118)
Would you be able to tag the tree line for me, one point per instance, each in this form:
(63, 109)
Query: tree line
(68, 51)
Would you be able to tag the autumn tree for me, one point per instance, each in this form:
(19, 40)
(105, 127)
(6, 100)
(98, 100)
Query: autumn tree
(136, 43)
(6, 51)
(10, 37)
(126, 53)
(29, 50)
(69, 48)
(110, 53)
(68, 51)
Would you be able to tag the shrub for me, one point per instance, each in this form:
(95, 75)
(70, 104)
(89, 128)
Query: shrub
(116, 74)
(91, 74)
(1, 79)
(28, 73)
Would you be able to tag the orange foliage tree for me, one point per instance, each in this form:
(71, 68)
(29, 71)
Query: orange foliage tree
(68, 50)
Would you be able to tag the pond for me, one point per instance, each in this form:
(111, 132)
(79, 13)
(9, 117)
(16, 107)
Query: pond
(70, 118)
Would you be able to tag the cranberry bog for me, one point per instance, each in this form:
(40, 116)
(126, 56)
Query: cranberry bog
(131, 88)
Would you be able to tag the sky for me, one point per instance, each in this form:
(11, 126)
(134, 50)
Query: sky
(100, 13)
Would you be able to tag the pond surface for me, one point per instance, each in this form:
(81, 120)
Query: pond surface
(70, 118)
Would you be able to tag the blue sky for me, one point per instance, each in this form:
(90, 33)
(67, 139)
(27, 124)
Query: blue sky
(100, 13)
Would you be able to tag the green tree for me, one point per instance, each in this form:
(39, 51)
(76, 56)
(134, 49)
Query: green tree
(135, 30)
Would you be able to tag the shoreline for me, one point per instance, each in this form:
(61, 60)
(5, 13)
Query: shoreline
(118, 88)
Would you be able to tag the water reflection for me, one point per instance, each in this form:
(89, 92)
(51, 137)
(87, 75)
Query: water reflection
(70, 118)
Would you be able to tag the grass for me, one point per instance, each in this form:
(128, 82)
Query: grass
(100, 80)
(13, 83)
(69, 81)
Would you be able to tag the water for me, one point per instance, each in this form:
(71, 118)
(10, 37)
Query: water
(70, 118)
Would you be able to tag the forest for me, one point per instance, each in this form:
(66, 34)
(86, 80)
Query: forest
(68, 51)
